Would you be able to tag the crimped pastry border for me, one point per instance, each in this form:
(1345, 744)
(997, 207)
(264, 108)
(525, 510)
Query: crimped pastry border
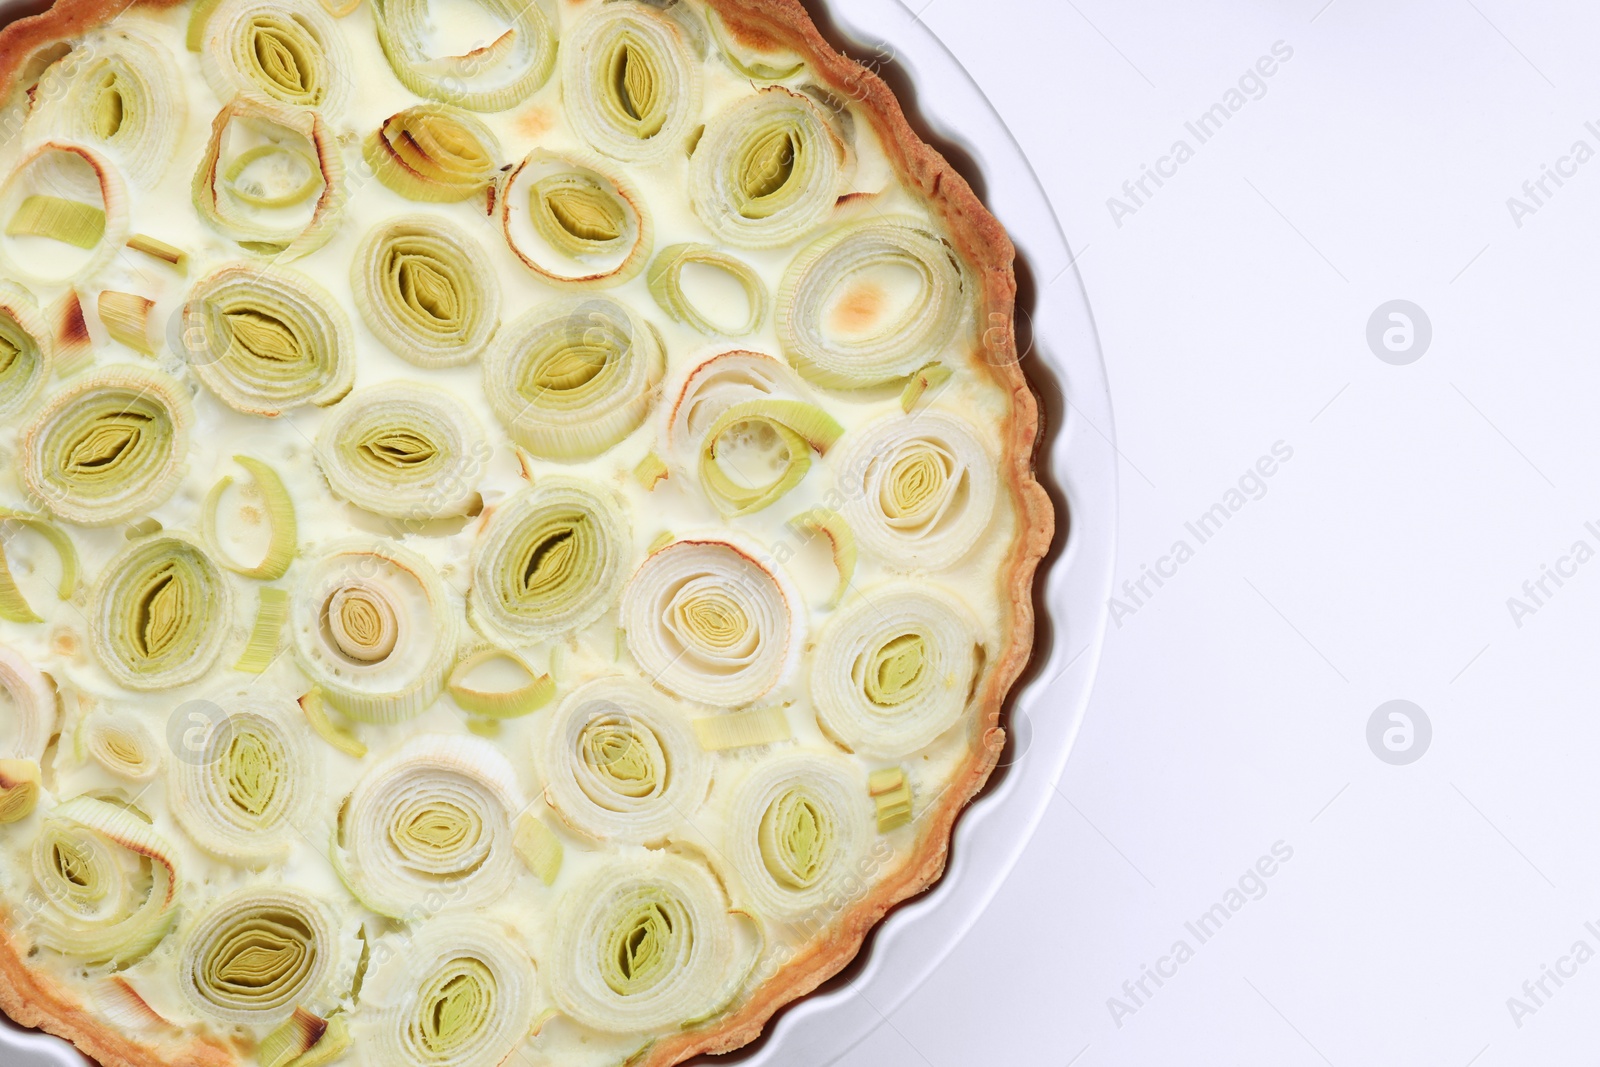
(32, 999)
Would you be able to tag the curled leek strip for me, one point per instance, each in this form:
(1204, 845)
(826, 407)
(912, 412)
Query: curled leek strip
(719, 383)
(849, 314)
(831, 525)
(573, 223)
(430, 824)
(551, 561)
(404, 450)
(894, 669)
(19, 789)
(373, 628)
(120, 91)
(459, 993)
(539, 848)
(433, 153)
(642, 944)
(243, 794)
(256, 955)
(26, 351)
(108, 880)
(292, 1044)
(64, 208)
(629, 85)
(161, 614)
(621, 764)
(278, 511)
(13, 605)
(491, 77)
(30, 703)
(317, 716)
(427, 289)
(286, 51)
(708, 622)
(919, 489)
(573, 377)
(266, 339)
(272, 178)
(930, 377)
(758, 450)
(266, 633)
(121, 743)
(799, 825)
(512, 700)
(108, 447)
(767, 171)
(666, 278)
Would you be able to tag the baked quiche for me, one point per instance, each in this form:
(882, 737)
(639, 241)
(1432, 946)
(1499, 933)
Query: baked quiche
(518, 525)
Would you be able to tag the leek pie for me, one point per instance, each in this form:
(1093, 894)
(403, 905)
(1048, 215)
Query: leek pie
(517, 525)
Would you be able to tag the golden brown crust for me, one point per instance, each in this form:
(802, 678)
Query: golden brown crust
(761, 25)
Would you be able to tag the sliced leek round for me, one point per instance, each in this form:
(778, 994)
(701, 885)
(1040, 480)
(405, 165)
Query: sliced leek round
(722, 381)
(573, 223)
(256, 955)
(162, 612)
(119, 741)
(667, 278)
(433, 153)
(572, 378)
(758, 450)
(404, 450)
(63, 215)
(117, 90)
(286, 51)
(246, 792)
(374, 629)
(27, 707)
(799, 826)
(459, 993)
(871, 302)
(768, 169)
(109, 446)
(707, 621)
(895, 668)
(551, 560)
(427, 289)
(620, 763)
(487, 77)
(267, 339)
(919, 489)
(643, 943)
(629, 85)
(429, 827)
(26, 350)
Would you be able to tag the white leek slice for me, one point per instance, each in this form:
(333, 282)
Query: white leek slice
(919, 489)
(719, 383)
(642, 944)
(619, 763)
(120, 742)
(256, 955)
(492, 77)
(573, 377)
(108, 883)
(869, 302)
(120, 91)
(266, 339)
(707, 621)
(894, 669)
(285, 51)
(161, 614)
(272, 178)
(666, 280)
(427, 289)
(108, 447)
(373, 627)
(433, 153)
(798, 826)
(19, 789)
(552, 560)
(629, 85)
(244, 794)
(429, 826)
(405, 450)
(768, 169)
(574, 223)
(458, 993)
(26, 350)
(28, 701)
(64, 214)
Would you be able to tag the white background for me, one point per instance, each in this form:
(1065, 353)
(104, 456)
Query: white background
(1231, 709)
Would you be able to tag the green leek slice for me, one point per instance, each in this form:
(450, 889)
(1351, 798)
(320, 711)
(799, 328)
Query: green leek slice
(528, 695)
(630, 87)
(433, 153)
(491, 78)
(161, 614)
(426, 288)
(742, 729)
(666, 285)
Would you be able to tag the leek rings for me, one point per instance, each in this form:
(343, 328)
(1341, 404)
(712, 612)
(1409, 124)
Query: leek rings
(427, 289)
(161, 614)
(629, 85)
